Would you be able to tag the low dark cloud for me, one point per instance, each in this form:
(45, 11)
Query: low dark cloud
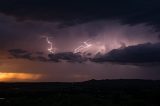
(58, 57)
(24, 54)
(67, 56)
(141, 53)
(19, 53)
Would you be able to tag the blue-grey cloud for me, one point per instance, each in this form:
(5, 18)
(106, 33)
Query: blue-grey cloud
(141, 53)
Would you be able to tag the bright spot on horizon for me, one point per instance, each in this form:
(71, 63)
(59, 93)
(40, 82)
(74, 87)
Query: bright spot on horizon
(18, 76)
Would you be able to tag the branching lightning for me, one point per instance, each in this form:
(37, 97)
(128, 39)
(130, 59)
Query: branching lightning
(83, 47)
(51, 48)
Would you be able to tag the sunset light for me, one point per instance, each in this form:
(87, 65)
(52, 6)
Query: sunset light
(18, 76)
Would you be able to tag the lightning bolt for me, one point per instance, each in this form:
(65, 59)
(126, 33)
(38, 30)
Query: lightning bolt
(81, 48)
(51, 49)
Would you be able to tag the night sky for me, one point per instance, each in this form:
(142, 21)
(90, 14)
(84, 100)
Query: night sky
(75, 40)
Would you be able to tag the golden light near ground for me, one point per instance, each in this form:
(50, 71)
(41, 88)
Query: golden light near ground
(18, 76)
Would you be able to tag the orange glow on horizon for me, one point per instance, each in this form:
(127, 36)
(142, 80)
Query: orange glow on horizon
(18, 76)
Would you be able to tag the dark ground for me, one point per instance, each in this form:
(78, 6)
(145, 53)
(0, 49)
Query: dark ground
(89, 93)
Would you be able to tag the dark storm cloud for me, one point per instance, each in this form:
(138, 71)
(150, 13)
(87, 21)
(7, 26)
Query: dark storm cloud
(73, 12)
(68, 56)
(58, 57)
(141, 53)
(27, 34)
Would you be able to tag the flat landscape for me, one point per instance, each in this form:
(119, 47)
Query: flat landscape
(92, 92)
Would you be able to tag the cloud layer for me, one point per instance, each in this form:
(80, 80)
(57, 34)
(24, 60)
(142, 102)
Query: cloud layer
(58, 57)
(141, 53)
